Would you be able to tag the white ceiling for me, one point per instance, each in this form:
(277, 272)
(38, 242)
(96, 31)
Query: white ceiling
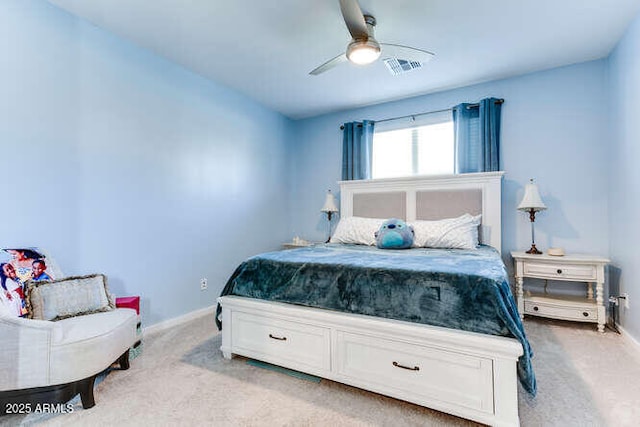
(266, 48)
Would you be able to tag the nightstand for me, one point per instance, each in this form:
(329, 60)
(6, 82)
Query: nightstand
(588, 269)
(290, 245)
(134, 303)
(297, 242)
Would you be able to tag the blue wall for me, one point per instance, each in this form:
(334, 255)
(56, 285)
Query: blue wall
(121, 162)
(554, 129)
(624, 144)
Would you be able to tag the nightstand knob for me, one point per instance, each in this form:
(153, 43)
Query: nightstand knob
(585, 314)
(559, 271)
(535, 308)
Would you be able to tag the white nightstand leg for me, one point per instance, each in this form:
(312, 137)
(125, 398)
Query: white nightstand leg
(600, 305)
(520, 296)
(589, 290)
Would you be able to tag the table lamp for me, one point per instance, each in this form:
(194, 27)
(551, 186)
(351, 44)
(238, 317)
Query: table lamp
(532, 203)
(329, 208)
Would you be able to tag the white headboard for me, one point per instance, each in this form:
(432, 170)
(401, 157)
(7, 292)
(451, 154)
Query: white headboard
(429, 198)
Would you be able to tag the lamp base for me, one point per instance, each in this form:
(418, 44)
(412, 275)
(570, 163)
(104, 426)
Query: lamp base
(534, 250)
(329, 215)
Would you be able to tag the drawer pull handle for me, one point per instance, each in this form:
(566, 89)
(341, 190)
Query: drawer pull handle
(397, 365)
(535, 308)
(585, 314)
(559, 271)
(277, 338)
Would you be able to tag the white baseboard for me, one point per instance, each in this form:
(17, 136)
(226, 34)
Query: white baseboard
(170, 323)
(629, 338)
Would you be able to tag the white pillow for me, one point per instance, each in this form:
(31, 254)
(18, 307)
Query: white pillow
(357, 230)
(450, 233)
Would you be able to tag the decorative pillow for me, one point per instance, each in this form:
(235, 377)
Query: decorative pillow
(11, 300)
(23, 259)
(450, 233)
(357, 230)
(18, 264)
(394, 234)
(68, 297)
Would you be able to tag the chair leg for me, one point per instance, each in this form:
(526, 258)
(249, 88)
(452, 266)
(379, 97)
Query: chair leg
(123, 361)
(86, 392)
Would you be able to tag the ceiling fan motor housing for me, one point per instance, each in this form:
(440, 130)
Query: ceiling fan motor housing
(370, 21)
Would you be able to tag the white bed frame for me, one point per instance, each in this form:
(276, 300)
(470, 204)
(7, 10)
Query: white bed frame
(466, 374)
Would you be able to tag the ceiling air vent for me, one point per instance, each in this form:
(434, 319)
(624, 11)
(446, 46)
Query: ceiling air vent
(400, 66)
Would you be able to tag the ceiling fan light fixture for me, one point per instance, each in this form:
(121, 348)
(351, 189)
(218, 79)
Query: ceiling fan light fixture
(364, 48)
(363, 52)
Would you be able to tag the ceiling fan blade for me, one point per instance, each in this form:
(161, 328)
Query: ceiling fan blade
(354, 18)
(405, 52)
(330, 64)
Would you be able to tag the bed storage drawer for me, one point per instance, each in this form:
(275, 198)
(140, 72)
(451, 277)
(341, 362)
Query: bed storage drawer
(416, 372)
(280, 341)
(560, 272)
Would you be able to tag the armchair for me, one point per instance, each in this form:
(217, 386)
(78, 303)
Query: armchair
(43, 361)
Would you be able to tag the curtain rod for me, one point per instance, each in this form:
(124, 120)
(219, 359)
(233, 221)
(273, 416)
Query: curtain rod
(475, 105)
(414, 115)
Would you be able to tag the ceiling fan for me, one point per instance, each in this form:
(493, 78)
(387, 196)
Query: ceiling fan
(365, 49)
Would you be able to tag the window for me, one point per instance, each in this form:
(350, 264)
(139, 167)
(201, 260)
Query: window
(421, 146)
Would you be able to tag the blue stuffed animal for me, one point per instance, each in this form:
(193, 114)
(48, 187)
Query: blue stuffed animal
(394, 234)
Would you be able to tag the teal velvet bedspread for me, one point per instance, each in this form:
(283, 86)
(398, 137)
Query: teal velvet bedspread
(460, 289)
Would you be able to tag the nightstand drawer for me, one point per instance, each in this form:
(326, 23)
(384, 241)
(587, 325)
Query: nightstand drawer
(560, 272)
(565, 311)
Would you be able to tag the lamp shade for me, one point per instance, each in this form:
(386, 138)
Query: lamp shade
(531, 199)
(329, 203)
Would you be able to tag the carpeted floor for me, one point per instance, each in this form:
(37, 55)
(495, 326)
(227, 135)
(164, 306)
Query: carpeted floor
(584, 379)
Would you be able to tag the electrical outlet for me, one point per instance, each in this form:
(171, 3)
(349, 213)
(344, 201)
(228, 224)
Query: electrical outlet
(626, 300)
(203, 284)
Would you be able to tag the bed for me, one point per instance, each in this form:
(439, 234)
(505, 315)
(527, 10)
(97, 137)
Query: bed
(434, 327)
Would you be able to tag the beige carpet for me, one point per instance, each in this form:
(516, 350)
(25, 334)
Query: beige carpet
(584, 379)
